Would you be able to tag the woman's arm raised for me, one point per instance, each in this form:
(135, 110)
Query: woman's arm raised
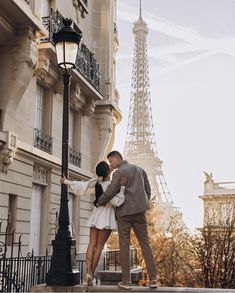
(80, 187)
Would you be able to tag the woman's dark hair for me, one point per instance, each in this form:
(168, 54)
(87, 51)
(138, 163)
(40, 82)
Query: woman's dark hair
(102, 170)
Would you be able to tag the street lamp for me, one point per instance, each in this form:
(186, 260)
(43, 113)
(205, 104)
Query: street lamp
(63, 270)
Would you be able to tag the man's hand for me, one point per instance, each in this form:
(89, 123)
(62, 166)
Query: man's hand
(123, 181)
(95, 202)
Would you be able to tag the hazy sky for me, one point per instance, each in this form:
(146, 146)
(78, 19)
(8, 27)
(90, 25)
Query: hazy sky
(191, 49)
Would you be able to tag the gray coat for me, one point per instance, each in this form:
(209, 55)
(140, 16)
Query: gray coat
(137, 192)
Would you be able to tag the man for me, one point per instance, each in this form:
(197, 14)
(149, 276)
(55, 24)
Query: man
(131, 214)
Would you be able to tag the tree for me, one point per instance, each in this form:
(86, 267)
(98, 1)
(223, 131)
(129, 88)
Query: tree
(213, 250)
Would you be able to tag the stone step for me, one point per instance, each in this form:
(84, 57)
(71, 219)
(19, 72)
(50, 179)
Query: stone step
(158, 290)
(105, 288)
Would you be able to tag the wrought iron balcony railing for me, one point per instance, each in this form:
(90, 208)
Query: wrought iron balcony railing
(87, 66)
(42, 141)
(75, 157)
(112, 259)
(86, 63)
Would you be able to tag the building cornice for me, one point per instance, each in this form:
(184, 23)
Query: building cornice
(217, 196)
(103, 106)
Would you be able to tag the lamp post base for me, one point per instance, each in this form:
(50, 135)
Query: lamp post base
(63, 270)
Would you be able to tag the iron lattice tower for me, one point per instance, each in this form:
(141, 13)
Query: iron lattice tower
(140, 144)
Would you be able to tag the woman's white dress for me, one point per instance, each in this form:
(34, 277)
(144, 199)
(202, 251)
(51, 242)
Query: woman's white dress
(102, 217)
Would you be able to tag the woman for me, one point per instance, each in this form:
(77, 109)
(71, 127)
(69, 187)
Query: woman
(102, 219)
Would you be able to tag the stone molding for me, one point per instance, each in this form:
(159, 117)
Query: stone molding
(39, 175)
(46, 71)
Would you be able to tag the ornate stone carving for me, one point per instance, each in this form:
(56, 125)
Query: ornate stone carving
(209, 177)
(76, 92)
(24, 50)
(45, 71)
(6, 157)
(76, 99)
(89, 107)
(43, 67)
(32, 54)
(11, 140)
(39, 175)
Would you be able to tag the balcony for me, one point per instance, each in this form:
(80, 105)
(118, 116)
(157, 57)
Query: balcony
(75, 157)
(86, 63)
(87, 66)
(42, 141)
(219, 188)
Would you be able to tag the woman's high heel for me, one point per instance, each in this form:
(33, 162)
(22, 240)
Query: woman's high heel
(88, 280)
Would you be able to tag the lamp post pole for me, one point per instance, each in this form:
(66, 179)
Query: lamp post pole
(63, 270)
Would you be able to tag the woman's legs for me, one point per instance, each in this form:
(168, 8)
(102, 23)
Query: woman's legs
(91, 249)
(102, 237)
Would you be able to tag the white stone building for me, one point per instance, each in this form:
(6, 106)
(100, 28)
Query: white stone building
(31, 96)
(219, 202)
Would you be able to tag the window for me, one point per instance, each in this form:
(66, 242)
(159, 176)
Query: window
(45, 8)
(11, 219)
(71, 128)
(42, 128)
(40, 100)
(35, 222)
(74, 137)
(71, 212)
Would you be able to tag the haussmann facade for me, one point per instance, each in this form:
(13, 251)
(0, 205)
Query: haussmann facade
(219, 202)
(31, 100)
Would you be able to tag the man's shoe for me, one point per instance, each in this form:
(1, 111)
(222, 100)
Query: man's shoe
(125, 285)
(153, 284)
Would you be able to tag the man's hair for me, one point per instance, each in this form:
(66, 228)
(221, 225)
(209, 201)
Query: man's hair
(114, 154)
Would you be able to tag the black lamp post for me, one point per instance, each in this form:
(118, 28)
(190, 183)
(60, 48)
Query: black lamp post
(63, 270)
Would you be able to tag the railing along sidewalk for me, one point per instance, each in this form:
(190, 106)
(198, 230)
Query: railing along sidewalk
(20, 273)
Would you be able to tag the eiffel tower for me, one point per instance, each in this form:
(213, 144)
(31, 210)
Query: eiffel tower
(140, 144)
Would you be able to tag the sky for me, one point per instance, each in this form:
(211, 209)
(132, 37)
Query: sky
(191, 55)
